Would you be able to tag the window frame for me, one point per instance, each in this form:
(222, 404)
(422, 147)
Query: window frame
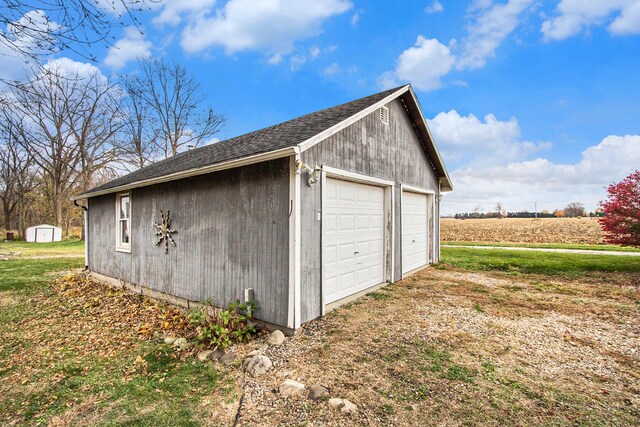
(120, 246)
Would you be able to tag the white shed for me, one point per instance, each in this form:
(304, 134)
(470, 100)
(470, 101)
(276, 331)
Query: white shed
(44, 233)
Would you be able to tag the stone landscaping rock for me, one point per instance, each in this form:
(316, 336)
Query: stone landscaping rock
(257, 365)
(170, 340)
(203, 356)
(276, 338)
(349, 407)
(344, 405)
(283, 374)
(291, 388)
(318, 392)
(228, 359)
(181, 344)
(263, 347)
(254, 353)
(216, 355)
(335, 402)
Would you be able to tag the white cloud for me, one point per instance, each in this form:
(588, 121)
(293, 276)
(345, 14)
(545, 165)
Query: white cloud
(467, 141)
(269, 26)
(428, 61)
(492, 24)
(173, 10)
(434, 7)
(574, 16)
(297, 61)
(332, 69)
(314, 52)
(70, 69)
(355, 18)
(129, 48)
(423, 65)
(28, 35)
(628, 22)
(552, 185)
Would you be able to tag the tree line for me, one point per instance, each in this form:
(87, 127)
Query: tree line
(572, 210)
(68, 128)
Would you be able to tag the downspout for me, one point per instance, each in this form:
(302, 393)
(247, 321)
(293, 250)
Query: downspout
(85, 211)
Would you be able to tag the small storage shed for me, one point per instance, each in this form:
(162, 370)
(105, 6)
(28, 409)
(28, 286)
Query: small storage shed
(304, 215)
(44, 233)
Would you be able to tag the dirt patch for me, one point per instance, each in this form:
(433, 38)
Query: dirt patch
(7, 299)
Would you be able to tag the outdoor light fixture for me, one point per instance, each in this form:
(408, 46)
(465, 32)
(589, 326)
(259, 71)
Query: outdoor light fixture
(313, 173)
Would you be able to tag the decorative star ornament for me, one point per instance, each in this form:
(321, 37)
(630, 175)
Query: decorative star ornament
(165, 231)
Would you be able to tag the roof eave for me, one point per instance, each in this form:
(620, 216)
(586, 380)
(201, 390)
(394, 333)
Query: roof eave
(443, 177)
(245, 161)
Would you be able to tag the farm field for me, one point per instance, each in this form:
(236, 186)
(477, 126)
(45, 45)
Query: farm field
(523, 230)
(500, 338)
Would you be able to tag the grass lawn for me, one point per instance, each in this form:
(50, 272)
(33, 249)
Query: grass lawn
(77, 359)
(615, 248)
(31, 274)
(489, 337)
(544, 263)
(26, 249)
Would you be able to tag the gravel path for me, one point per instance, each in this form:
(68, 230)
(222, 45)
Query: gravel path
(566, 251)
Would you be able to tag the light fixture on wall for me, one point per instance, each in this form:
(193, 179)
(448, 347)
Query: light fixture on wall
(313, 174)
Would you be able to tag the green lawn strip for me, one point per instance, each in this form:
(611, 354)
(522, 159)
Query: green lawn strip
(64, 247)
(552, 264)
(160, 391)
(18, 274)
(615, 248)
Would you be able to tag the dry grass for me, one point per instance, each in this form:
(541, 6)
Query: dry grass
(460, 348)
(79, 353)
(522, 230)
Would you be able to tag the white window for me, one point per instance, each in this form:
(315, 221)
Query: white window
(123, 226)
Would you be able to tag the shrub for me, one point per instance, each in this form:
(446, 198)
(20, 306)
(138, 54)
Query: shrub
(225, 326)
(621, 221)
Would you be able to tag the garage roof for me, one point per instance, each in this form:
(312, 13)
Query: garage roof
(276, 141)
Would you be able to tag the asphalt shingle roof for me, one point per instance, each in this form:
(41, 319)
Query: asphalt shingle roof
(283, 135)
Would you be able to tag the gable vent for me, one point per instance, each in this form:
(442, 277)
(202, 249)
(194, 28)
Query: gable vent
(384, 115)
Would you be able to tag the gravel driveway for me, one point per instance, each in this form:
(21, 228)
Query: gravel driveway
(452, 347)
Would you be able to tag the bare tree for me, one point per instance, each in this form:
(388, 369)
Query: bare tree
(42, 27)
(95, 119)
(499, 210)
(71, 119)
(174, 101)
(8, 195)
(575, 209)
(140, 135)
(16, 176)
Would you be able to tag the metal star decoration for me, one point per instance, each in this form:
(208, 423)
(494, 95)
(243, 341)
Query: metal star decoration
(165, 231)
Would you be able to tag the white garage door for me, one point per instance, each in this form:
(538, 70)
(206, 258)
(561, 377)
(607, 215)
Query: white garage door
(353, 239)
(44, 235)
(414, 231)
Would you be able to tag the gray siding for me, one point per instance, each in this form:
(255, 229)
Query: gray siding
(369, 147)
(232, 233)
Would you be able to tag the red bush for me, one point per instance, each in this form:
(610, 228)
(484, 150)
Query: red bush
(621, 221)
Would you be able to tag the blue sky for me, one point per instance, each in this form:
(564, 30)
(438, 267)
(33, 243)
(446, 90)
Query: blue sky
(529, 101)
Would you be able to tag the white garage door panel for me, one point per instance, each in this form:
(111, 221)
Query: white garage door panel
(353, 241)
(44, 235)
(414, 231)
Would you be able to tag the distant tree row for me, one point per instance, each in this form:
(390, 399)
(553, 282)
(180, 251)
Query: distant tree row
(69, 128)
(572, 210)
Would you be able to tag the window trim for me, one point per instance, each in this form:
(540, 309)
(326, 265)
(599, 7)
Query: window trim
(121, 247)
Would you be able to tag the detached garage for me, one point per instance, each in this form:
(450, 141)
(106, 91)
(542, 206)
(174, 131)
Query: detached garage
(304, 215)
